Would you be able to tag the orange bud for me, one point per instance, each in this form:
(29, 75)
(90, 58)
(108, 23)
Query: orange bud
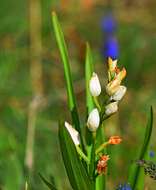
(121, 75)
(114, 140)
(112, 64)
(102, 164)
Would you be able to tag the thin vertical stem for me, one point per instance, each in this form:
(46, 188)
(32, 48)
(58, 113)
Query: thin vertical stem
(36, 78)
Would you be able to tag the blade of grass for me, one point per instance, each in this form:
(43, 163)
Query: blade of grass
(69, 85)
(89, 107)
(48, 184)
(89, 99)
(136, 178)
(88, 75)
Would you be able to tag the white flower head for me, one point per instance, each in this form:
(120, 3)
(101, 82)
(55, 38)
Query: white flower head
(119, 94)
(94, 85)
(111, 108)
(73, 133)
(93, 120)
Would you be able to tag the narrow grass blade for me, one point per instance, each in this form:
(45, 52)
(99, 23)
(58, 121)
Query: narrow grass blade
(136, 177)
(76, 172)
(65, 60)
(88, 74)
(48, 184)
(89, 99)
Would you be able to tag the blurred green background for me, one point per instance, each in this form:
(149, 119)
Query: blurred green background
(32, 86)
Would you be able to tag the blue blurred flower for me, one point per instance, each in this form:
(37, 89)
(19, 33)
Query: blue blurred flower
(151, 154)
(124, 187)
(108, 24)
(110, 44)
(111, 48)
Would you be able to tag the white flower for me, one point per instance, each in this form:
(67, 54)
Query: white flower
(111, 108)
(93, 120)
(73, 133)
(94, 85)
(118, 95)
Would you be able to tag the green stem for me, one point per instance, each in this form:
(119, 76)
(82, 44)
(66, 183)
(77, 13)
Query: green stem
(80, 152)
(101, 147)
(97, 103)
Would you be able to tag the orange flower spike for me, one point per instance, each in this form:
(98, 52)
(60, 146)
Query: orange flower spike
(114, 140)
(102, 164)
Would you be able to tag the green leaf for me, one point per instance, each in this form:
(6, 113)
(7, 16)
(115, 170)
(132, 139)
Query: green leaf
(65, 60)
(136, 176)
(92, 165)
(89, 99)
(88, 75)
(76, 171)
(51, 186)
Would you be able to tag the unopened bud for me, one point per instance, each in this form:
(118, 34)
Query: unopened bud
(94, 85)
(119, 94)
(73, 133)
(112, 87)
(93, 120)
(114, 140)
(121, 75)
(111, 108)
(112, 64)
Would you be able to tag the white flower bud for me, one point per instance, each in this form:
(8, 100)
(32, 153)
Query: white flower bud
(113, 86)
(73, 133)
(93, 120)
(119, 94)
(94, 85)
(111, 108)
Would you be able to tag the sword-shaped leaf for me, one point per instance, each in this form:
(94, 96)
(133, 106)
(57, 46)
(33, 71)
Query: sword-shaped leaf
(136, 176)
(65, 60)
(76, 171)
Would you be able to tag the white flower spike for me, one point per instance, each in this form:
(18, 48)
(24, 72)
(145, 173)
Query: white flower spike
(94, 85)
(73, 133)
(93, 120)
(119, 94)
(111, 108)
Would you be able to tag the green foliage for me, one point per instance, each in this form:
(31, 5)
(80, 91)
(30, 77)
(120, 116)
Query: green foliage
(48, 184)
(136, 176)
(65, 60)
(76, 170)
(88, 74)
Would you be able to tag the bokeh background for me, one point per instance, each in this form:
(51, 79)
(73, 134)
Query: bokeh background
(32, 86)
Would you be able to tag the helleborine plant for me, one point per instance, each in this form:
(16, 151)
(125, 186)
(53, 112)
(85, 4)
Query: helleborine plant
(73, 133)
(119, 94)
(93, 120)
(84, 148)
(111, 108)
(94, 85)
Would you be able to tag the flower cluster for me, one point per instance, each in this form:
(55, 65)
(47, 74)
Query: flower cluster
(102, 164)
(114, 89)
(110, 45)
